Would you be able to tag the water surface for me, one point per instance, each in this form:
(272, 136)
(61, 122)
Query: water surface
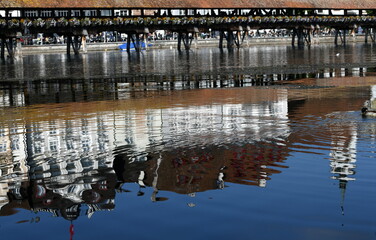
(263, 142)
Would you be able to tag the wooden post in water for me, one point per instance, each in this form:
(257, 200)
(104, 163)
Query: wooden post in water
(76, 44)
(179, 41)
(293, 37)
(69, 40)
(137, 44)
(129, 36)
(300, 37)
(336, 37)
(10, 47)
(230, 39)
(221, 35)
(187, 42)
(2, 55)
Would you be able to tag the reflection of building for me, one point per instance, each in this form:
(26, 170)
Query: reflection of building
(76, 162)
(13, 169)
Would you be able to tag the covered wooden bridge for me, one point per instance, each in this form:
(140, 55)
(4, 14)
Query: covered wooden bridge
(137, 18)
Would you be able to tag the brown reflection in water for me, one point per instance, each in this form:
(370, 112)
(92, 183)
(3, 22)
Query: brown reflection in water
(195, 170)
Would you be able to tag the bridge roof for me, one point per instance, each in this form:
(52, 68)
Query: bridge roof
(214, 4)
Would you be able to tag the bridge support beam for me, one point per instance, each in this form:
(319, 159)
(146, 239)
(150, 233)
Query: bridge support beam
(234, 37)
(341, 34)
(76, 40)
(371, 33)
(303, 36)
(186, 37)
(2, 54)
(138, 38)
(11, 44)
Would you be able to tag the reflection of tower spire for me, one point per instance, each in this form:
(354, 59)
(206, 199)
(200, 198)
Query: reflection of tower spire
(342, 186)
(343, 159)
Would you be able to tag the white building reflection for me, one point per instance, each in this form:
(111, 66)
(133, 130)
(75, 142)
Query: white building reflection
(64, 153)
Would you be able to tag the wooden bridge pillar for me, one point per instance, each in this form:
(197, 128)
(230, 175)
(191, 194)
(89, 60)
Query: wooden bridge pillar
(186, 37)
(234, 37)
(2, 54)
(371, 33)
(12, 44)
(76, 40)
(303, 36)
(137, 38)
(342, 35)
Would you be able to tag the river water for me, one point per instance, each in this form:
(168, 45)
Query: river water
(264, 142)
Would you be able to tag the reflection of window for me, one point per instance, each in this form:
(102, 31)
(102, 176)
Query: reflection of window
(53, 145)
(69, 145)
(37, 148)
(85, 144)
(15, 143)
(86, 163)
(3, 147)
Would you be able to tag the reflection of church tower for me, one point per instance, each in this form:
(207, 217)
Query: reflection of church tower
(343, 159)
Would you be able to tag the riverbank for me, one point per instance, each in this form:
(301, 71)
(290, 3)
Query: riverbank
(172, 44)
